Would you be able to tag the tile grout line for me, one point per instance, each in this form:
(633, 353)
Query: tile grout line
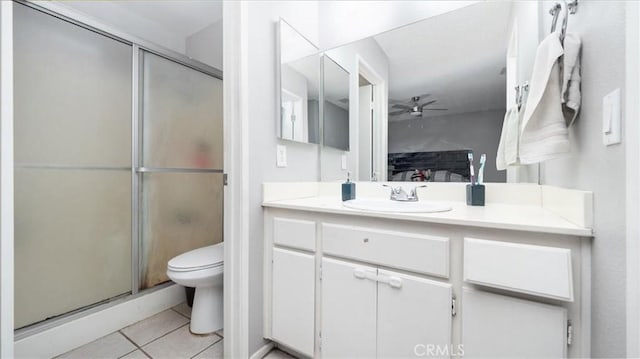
(165, 334)
(203, 350)
(180, 313)
(132, 342)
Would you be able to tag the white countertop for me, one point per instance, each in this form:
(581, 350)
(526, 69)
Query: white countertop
(529, 218)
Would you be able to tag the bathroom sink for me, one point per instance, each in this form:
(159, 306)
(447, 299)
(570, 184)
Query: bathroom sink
(387, 205)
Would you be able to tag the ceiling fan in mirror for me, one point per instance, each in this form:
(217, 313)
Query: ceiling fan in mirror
(414, 106)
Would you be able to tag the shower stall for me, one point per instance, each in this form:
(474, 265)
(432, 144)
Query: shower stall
(118, 163)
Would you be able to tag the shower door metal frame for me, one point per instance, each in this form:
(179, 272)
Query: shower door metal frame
(138, 47)
(6, 181)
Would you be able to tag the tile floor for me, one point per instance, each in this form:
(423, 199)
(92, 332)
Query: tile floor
(164, 335)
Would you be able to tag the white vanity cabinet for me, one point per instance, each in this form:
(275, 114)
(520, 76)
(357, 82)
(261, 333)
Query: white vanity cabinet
(292, 285)
(499, 326)
(354, 286)
(349, 308)
(369, 312)
(293, 299)
(413, 313)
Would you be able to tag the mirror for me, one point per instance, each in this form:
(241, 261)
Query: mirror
(299, 75)
(432, 91)
(335, 110)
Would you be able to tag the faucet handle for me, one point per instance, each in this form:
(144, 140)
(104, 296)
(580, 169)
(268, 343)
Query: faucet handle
(393, 189)
(414, 191)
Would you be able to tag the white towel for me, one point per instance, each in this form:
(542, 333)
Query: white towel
(543, 133)
(508, 148)
(571, 78)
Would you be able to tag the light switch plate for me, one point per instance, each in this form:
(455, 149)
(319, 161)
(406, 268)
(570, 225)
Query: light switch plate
(611, 129)
(281, 156)
(344, 162)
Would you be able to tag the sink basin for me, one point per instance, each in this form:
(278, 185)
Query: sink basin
(387, 205)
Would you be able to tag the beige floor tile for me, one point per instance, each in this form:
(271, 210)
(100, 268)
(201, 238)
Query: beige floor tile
(137, 354)
(183, 309)
(179, 344)
(154, 327)
(215, 351)
(278, 354)
(113, 345)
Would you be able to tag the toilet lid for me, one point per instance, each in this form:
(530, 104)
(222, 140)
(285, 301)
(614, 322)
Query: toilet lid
(201, 258)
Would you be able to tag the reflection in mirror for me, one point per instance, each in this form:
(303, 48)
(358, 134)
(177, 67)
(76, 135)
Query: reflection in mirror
(299, 87)
(447, 92)
(335, 115)
(446, 103)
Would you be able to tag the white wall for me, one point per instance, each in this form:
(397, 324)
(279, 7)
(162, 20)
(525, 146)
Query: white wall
(478, 131)
(632, 109)
(594, 167)
(302, 158)
(206, 45)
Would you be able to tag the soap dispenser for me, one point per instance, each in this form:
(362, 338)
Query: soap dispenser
(348, 189)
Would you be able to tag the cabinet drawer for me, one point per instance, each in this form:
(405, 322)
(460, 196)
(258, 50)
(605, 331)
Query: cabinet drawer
(294, 233)
(537, 270)
(413, 252)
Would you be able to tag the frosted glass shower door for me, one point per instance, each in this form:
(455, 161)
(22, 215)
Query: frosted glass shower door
(72, 166)
(181, 163)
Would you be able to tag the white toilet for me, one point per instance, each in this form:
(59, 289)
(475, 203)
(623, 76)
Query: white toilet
(202, 269)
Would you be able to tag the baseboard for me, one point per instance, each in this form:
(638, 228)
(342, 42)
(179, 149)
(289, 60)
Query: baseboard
(264, 350)
(69, 335)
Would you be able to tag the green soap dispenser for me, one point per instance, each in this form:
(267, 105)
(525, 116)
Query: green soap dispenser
(348, 189)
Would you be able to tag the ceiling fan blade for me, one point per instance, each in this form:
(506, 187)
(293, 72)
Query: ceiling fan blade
(424, 95)
(395, 113)
(398, 105)
(398, 101)
(435, 109)
(428, 103)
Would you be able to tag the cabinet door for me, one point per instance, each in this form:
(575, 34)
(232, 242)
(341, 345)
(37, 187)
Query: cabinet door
(293, 300)
(499, 326)
(414, 316)
(348, 310)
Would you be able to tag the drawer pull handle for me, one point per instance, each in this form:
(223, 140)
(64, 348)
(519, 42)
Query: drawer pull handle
(361, 273)
(366, 240)
(392, 281)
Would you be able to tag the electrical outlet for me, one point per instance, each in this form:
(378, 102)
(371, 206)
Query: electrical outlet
(344, 162)
(281, 156)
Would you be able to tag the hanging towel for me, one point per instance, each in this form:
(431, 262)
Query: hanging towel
(571, 78)
(543, 131)
(508, 148)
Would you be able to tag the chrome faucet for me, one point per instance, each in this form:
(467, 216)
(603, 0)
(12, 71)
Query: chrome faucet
(399, 194)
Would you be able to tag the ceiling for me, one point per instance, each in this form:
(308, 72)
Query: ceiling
(457, 57)
(165, 22)
(183, 17)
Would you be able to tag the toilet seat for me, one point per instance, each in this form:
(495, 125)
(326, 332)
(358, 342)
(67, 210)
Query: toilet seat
(198, 259)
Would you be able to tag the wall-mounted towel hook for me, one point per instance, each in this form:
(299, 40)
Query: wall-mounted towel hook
(555, 12)
(573, 7)
(520, 93)
(569, 8)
